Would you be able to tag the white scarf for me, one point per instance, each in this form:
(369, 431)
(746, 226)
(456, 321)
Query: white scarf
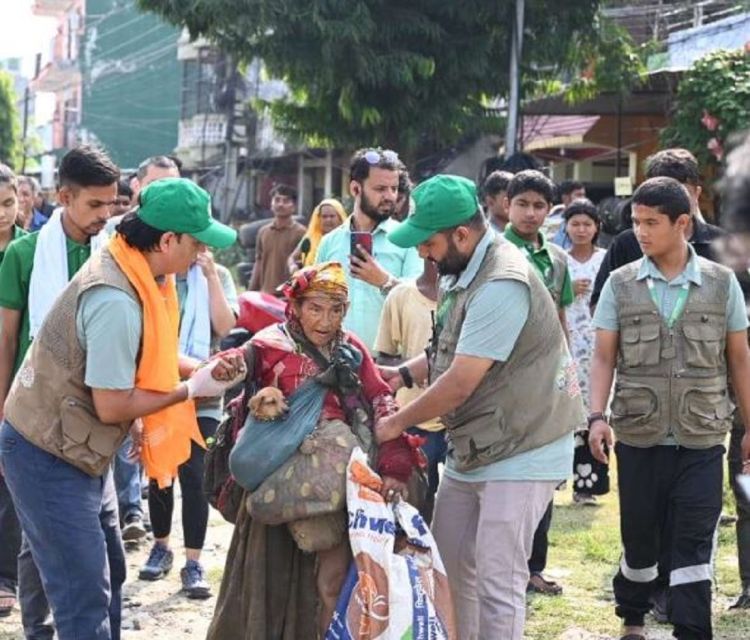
(49, 272)
(195, 326)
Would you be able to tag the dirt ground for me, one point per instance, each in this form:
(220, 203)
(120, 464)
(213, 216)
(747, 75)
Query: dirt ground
(157, 610)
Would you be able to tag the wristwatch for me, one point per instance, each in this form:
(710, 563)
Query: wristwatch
(593, 417)
(389, 284)
(406, 377)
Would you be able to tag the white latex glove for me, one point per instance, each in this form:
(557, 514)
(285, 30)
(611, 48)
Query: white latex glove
(203, 385)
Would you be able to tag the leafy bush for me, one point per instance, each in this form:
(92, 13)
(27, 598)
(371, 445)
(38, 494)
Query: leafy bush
(713, 101)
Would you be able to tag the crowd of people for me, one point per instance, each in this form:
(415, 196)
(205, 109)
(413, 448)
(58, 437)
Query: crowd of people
(476, 335)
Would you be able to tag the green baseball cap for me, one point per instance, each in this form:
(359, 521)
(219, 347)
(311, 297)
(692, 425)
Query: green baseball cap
(441, 202)
(181, 206)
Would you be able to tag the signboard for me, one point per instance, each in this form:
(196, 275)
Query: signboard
(623, 187)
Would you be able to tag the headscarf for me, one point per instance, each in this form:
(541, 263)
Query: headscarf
(327, 278)
(315, 229)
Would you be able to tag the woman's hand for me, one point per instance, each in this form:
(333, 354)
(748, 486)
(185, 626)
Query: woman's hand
(206, 262)
(581, 287)
(230, 366)
(392, 489)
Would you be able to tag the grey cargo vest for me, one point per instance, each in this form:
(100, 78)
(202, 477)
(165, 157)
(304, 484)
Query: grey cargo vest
(672, 379)
(49, 403)
(530, 400)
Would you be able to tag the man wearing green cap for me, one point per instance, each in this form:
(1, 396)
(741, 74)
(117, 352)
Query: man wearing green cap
(105, 355)
(35, 269)
(505, 387)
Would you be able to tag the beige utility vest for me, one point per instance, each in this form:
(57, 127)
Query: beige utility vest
(672, 380)
(559, 269)
(49, 403)
(526, 402)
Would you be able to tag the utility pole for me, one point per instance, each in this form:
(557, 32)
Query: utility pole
(230, 158)
(516, 48)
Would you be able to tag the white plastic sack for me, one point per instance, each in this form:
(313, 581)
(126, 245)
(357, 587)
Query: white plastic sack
(396, 588)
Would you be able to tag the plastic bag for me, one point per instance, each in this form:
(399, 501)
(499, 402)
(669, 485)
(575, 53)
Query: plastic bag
(263, 446)
(396, 588)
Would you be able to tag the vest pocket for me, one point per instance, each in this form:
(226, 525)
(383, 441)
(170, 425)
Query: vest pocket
(640, 345)
(475, 441)
(635, 409)
(85, 441)
(705, 411)
(703, 345)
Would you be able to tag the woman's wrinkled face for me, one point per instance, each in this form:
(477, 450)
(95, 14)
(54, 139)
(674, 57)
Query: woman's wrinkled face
(320, 317)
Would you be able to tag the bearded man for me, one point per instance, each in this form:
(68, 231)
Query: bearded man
(504, 385)
(373, 264)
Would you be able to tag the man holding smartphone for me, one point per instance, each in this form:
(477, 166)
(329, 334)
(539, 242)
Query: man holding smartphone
(374, 265)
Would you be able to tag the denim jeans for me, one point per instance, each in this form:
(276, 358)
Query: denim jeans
(35, 613)
(434, 450)
(71, 522)
(127, 482)
(17, 570)
(10, 540)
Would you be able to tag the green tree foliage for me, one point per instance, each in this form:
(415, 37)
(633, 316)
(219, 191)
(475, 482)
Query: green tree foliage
(713, 101)
(402, 74)
(10, 138)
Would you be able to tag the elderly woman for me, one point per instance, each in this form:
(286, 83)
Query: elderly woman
(271, 588)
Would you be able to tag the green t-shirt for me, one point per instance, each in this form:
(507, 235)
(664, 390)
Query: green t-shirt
(17, 233)
(542, 261)
(15, 277)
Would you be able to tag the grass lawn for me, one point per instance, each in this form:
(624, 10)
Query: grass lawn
(583, 557)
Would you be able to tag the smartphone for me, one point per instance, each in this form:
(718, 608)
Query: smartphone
(363, 239)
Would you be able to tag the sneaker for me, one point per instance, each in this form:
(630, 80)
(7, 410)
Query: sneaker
(194, 583)
(659, 605)
(159, 563)
(133, 528)
(743, 602)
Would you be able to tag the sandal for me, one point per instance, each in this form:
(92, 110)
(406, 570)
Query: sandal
(546, 587)
(7, 602)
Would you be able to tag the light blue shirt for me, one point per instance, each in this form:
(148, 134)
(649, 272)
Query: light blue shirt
(667, 293)
(109, 324)
(494, 320)
(365, 300)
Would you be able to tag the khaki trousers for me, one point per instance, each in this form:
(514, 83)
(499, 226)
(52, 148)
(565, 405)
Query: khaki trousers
(484, 531)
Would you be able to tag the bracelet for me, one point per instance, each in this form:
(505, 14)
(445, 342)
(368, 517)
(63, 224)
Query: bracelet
(593, 417)
(406, 377)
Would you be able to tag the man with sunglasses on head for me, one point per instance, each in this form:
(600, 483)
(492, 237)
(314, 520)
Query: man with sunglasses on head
(371, 274)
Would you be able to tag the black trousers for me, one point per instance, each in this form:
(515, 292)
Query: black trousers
(540, 547)
(194, 501)
(683, 487)
(743, 504)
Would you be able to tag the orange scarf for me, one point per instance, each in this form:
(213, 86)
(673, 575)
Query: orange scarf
(168, 432)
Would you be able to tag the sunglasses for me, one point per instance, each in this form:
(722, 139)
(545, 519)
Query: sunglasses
(373, 156)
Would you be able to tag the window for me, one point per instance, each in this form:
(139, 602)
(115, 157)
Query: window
(200, 84)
